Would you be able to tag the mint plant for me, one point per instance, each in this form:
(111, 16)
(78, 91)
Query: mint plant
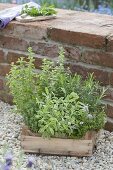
(22, 84)
(55, 102)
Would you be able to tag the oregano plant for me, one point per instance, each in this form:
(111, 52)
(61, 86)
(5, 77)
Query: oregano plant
(56, 102)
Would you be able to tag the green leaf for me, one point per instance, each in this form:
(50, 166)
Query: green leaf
(55, 102)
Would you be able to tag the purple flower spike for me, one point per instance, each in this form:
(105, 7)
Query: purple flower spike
(7, 167)
(30, 162)
(8, 159)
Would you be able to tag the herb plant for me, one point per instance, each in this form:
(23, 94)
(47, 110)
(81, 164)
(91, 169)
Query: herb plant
(55, 102)
(44, 10)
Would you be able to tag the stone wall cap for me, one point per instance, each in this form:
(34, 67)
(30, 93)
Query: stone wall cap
(79, 24)
(75, 21)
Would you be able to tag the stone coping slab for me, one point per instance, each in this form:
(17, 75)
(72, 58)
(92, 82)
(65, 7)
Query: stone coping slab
(74, 27)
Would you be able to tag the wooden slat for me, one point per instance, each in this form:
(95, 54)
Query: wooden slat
(57, 146)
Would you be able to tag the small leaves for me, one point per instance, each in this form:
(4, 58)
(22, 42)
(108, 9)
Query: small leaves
(44, 10)
(55, 102)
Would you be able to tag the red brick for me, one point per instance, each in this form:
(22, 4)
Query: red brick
(13, 43)
(109, 126)
(98, 58)
(52, 50)
(109, 94)
(101, 75)
(111, 79)
(2, 58)
(1, 84)
(72, 52)
(109, 110)
(38, 62)
(13, 57)
(110, 43)
(77, 38)
(4, 69)
(31, 31)
(45, 49)
(6, 97)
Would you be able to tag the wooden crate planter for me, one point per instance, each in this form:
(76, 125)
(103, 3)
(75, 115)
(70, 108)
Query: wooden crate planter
(57, 146)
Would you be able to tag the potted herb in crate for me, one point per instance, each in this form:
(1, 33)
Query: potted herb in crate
(62, 112)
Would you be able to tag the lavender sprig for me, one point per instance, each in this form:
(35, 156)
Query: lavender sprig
(30, 162)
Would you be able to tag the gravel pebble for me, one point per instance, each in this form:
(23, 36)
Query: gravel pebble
(10, 127)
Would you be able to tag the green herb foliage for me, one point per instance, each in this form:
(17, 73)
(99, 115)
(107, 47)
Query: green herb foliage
(44, 10)
(55, 102)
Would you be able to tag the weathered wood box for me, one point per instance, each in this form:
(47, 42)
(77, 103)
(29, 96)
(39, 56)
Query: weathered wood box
(57, 146)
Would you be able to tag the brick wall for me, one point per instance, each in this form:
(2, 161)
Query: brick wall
(87, 39)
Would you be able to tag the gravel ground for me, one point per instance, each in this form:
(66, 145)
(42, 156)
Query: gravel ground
(10, 125)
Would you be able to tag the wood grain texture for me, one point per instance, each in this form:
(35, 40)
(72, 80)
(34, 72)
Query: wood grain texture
(32, 19)
(57, 146)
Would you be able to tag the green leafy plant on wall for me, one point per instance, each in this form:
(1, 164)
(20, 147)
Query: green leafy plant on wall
(44, 10)
(55, 102)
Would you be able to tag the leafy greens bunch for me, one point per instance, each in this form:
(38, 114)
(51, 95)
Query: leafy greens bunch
(55, 102)
(44, 10)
